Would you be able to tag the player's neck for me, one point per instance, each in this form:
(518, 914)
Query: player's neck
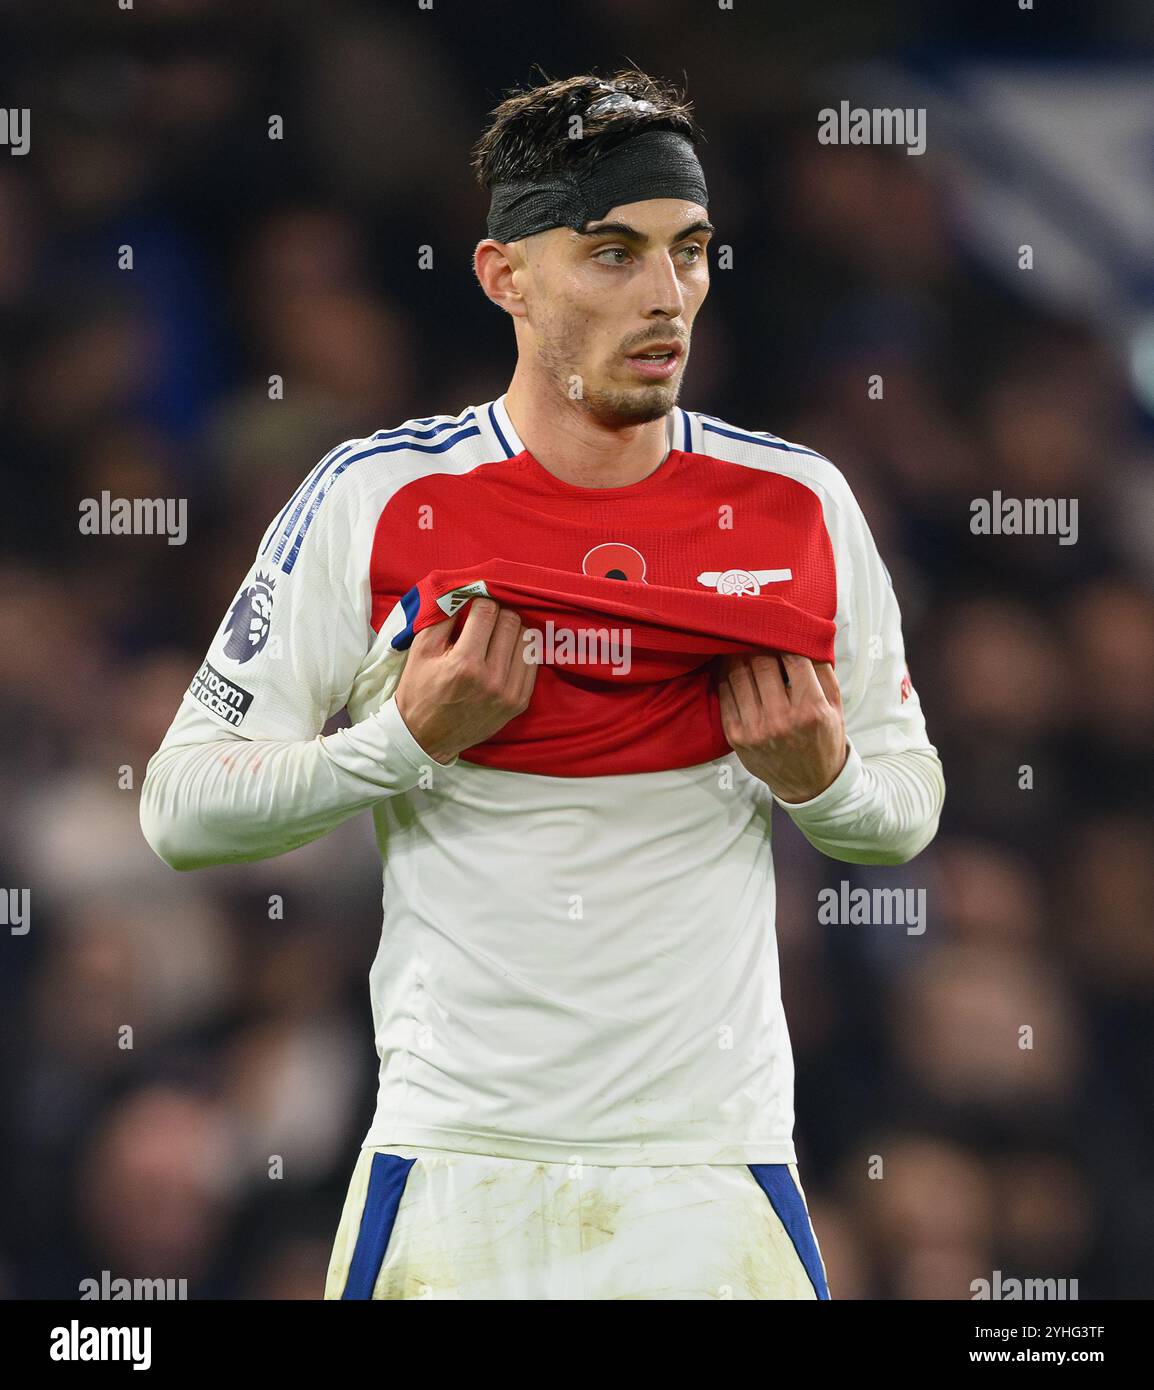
(577, 448)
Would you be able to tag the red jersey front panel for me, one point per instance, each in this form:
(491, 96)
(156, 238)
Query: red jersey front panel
(697, 523)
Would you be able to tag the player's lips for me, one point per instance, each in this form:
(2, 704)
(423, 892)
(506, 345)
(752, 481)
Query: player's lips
(656, 361)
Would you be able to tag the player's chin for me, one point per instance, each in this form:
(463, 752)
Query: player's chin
(659, 397)
(647, 400)
(637, 407)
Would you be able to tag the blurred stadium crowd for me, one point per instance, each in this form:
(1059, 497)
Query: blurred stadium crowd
(299, 257)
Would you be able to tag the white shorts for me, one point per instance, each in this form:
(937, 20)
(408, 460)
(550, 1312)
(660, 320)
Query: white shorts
(429, 1223)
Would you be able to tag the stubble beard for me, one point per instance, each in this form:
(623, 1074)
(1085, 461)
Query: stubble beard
(612, 406)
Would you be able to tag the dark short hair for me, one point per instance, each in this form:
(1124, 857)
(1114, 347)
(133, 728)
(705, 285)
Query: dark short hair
(529, 133)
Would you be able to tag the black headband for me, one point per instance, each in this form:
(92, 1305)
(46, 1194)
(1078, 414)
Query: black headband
(651, 164)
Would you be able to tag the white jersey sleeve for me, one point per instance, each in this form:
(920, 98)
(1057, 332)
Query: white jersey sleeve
(884, 806)
(243, 772)
(285, 654)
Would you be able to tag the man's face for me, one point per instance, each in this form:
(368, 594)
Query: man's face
(596, 300)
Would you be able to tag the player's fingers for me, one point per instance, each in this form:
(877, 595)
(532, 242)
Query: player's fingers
(770, 681)
(480, 620)
(745, 693)
(731, 724)
(804, 685)
(504, 645)
(829, 682)
(752, 709)
(431, 640)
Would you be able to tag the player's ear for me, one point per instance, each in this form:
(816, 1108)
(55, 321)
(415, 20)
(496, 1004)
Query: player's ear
(498, 266)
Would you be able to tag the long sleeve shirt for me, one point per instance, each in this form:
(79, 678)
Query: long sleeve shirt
(578, 953)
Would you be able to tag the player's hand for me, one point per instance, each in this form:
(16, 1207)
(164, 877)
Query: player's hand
(453, 695)
(791, 736)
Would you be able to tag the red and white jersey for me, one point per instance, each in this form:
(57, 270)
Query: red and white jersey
(578, 954)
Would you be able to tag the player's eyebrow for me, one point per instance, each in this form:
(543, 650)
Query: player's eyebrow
(628, 233)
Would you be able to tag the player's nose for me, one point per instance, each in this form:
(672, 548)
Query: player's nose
(662, 289)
